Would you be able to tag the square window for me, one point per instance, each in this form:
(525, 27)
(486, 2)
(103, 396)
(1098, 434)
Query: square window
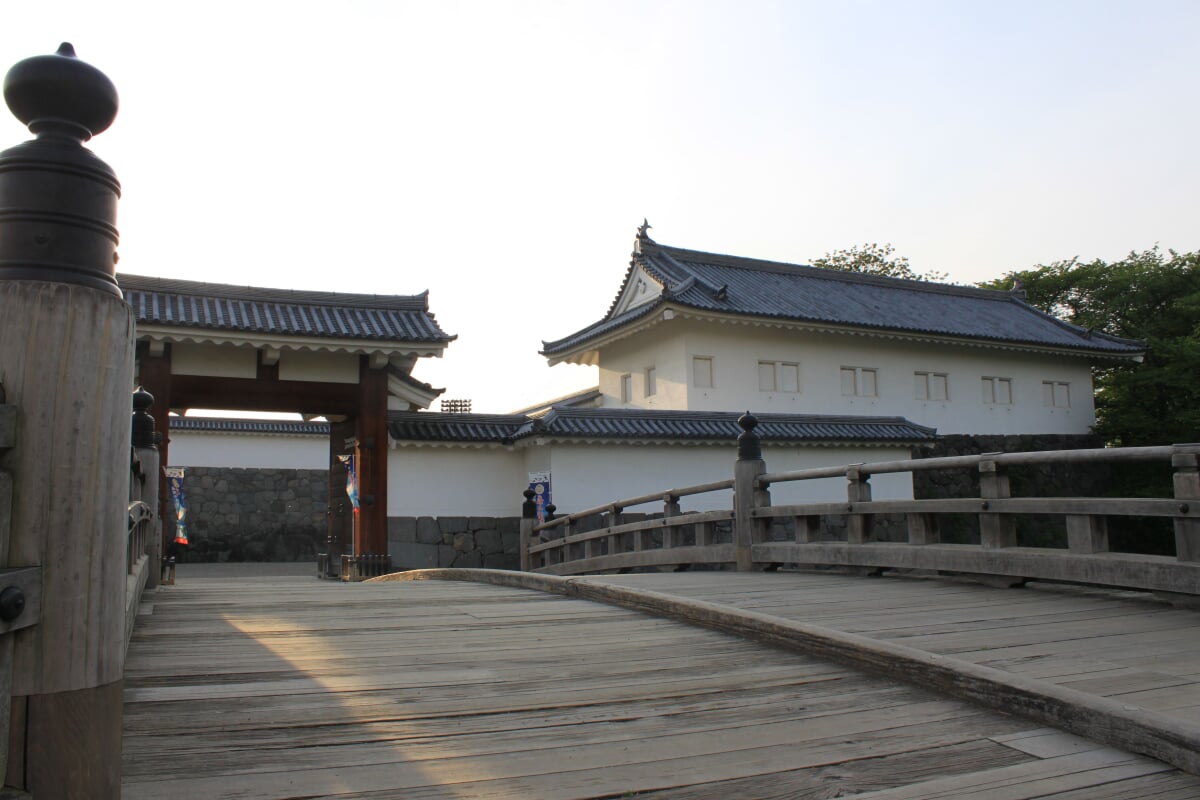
(931, 386)
(997, 391)
(1056, 394)
(702, 372)
(789, 377)
(848, 382)
(651, 381)
(859, 382)
(766, 376)
(778, 376)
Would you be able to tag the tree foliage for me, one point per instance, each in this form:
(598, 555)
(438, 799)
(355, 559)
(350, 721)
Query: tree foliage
(1150, 296)
(874, 259)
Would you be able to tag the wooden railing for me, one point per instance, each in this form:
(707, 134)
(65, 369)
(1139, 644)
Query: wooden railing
(740, 536)
(142, 547)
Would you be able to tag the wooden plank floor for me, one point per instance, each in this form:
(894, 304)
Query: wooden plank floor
(1128, 646)
(298, 688)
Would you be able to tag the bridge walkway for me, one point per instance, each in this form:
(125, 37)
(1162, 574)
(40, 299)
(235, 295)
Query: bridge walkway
(289, 687)
(1128, 646)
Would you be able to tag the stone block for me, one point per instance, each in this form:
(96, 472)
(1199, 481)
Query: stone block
(409, 555)
(511, 541)
(508, 524)
(471, 560)
(428, 531)
(445, 555)
(480, 523)
(452, 524)
(501, 561)
(402, 529)
(489, 541)
(464, 542)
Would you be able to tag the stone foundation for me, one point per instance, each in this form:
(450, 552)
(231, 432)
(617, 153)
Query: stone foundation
(431, 542)
(239, 514)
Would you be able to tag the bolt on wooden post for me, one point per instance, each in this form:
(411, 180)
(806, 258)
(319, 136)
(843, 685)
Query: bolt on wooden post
(66, 362)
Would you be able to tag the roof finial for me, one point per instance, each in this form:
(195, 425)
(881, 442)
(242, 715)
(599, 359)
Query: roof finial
(642, 236)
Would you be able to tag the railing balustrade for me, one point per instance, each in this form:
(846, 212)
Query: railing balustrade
(569, 545)
(143, 545)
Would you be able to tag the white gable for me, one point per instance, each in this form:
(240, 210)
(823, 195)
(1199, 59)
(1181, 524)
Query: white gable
(639, 290)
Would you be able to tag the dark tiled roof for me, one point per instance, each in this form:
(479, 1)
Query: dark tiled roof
(223, 425)
(766, 289)
(628, 423)
(216, 306)
(434, 426)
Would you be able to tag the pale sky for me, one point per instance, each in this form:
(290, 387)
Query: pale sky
(502, 154)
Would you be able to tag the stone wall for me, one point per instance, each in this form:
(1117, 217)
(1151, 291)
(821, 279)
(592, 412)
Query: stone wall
(239, 514)
(1044, 480)
(429, 542)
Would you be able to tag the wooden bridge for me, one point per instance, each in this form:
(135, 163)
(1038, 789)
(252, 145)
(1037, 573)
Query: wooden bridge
(733, 685)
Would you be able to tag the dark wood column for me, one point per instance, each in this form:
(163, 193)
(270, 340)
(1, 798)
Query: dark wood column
(370, 528)
(340, 517)
(154, 375)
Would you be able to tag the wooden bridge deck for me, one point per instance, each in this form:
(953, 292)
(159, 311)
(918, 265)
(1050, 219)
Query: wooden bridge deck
(298, 688)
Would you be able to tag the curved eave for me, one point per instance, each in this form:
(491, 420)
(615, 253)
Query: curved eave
(150, 332)
(246, 434)
(727, 443)
(400, 444)
(587, 352)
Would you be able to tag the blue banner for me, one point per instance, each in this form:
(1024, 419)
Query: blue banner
(179, 500)
(539, 482)
(351, 480)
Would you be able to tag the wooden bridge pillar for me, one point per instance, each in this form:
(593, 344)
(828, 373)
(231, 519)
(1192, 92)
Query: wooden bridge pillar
(746, 469)
(995, 530)
(66, 362)
(1186, 461)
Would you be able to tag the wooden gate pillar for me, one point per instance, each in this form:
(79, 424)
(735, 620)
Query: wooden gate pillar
(154, 375)
(66, 362)
(371, 455)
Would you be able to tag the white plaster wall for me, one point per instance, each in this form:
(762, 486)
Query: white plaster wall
(584, 476)
(456, 481)
(736, 351)
(206, 449)
(632, 356)
(217, 360)
(307, 365)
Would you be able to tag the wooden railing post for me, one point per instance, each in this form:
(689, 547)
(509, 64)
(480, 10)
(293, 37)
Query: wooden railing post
(66, 353)
(1187, 491)
(670, 509)
(616, 516)
(144, 447)
(528, 520)
(858, 490)
(923, 529)
(746, 469)
(562, 553)
(995, 530)
(1087, 533)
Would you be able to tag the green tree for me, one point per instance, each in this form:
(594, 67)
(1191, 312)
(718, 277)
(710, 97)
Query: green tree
(1150, 296)
(874, 259)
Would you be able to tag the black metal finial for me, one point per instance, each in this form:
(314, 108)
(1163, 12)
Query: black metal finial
(58, 201)
(59, 94)
(749, 444)
(143, 423)
(529, 507)
(550, 509)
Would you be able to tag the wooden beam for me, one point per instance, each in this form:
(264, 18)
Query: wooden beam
(202, 391)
